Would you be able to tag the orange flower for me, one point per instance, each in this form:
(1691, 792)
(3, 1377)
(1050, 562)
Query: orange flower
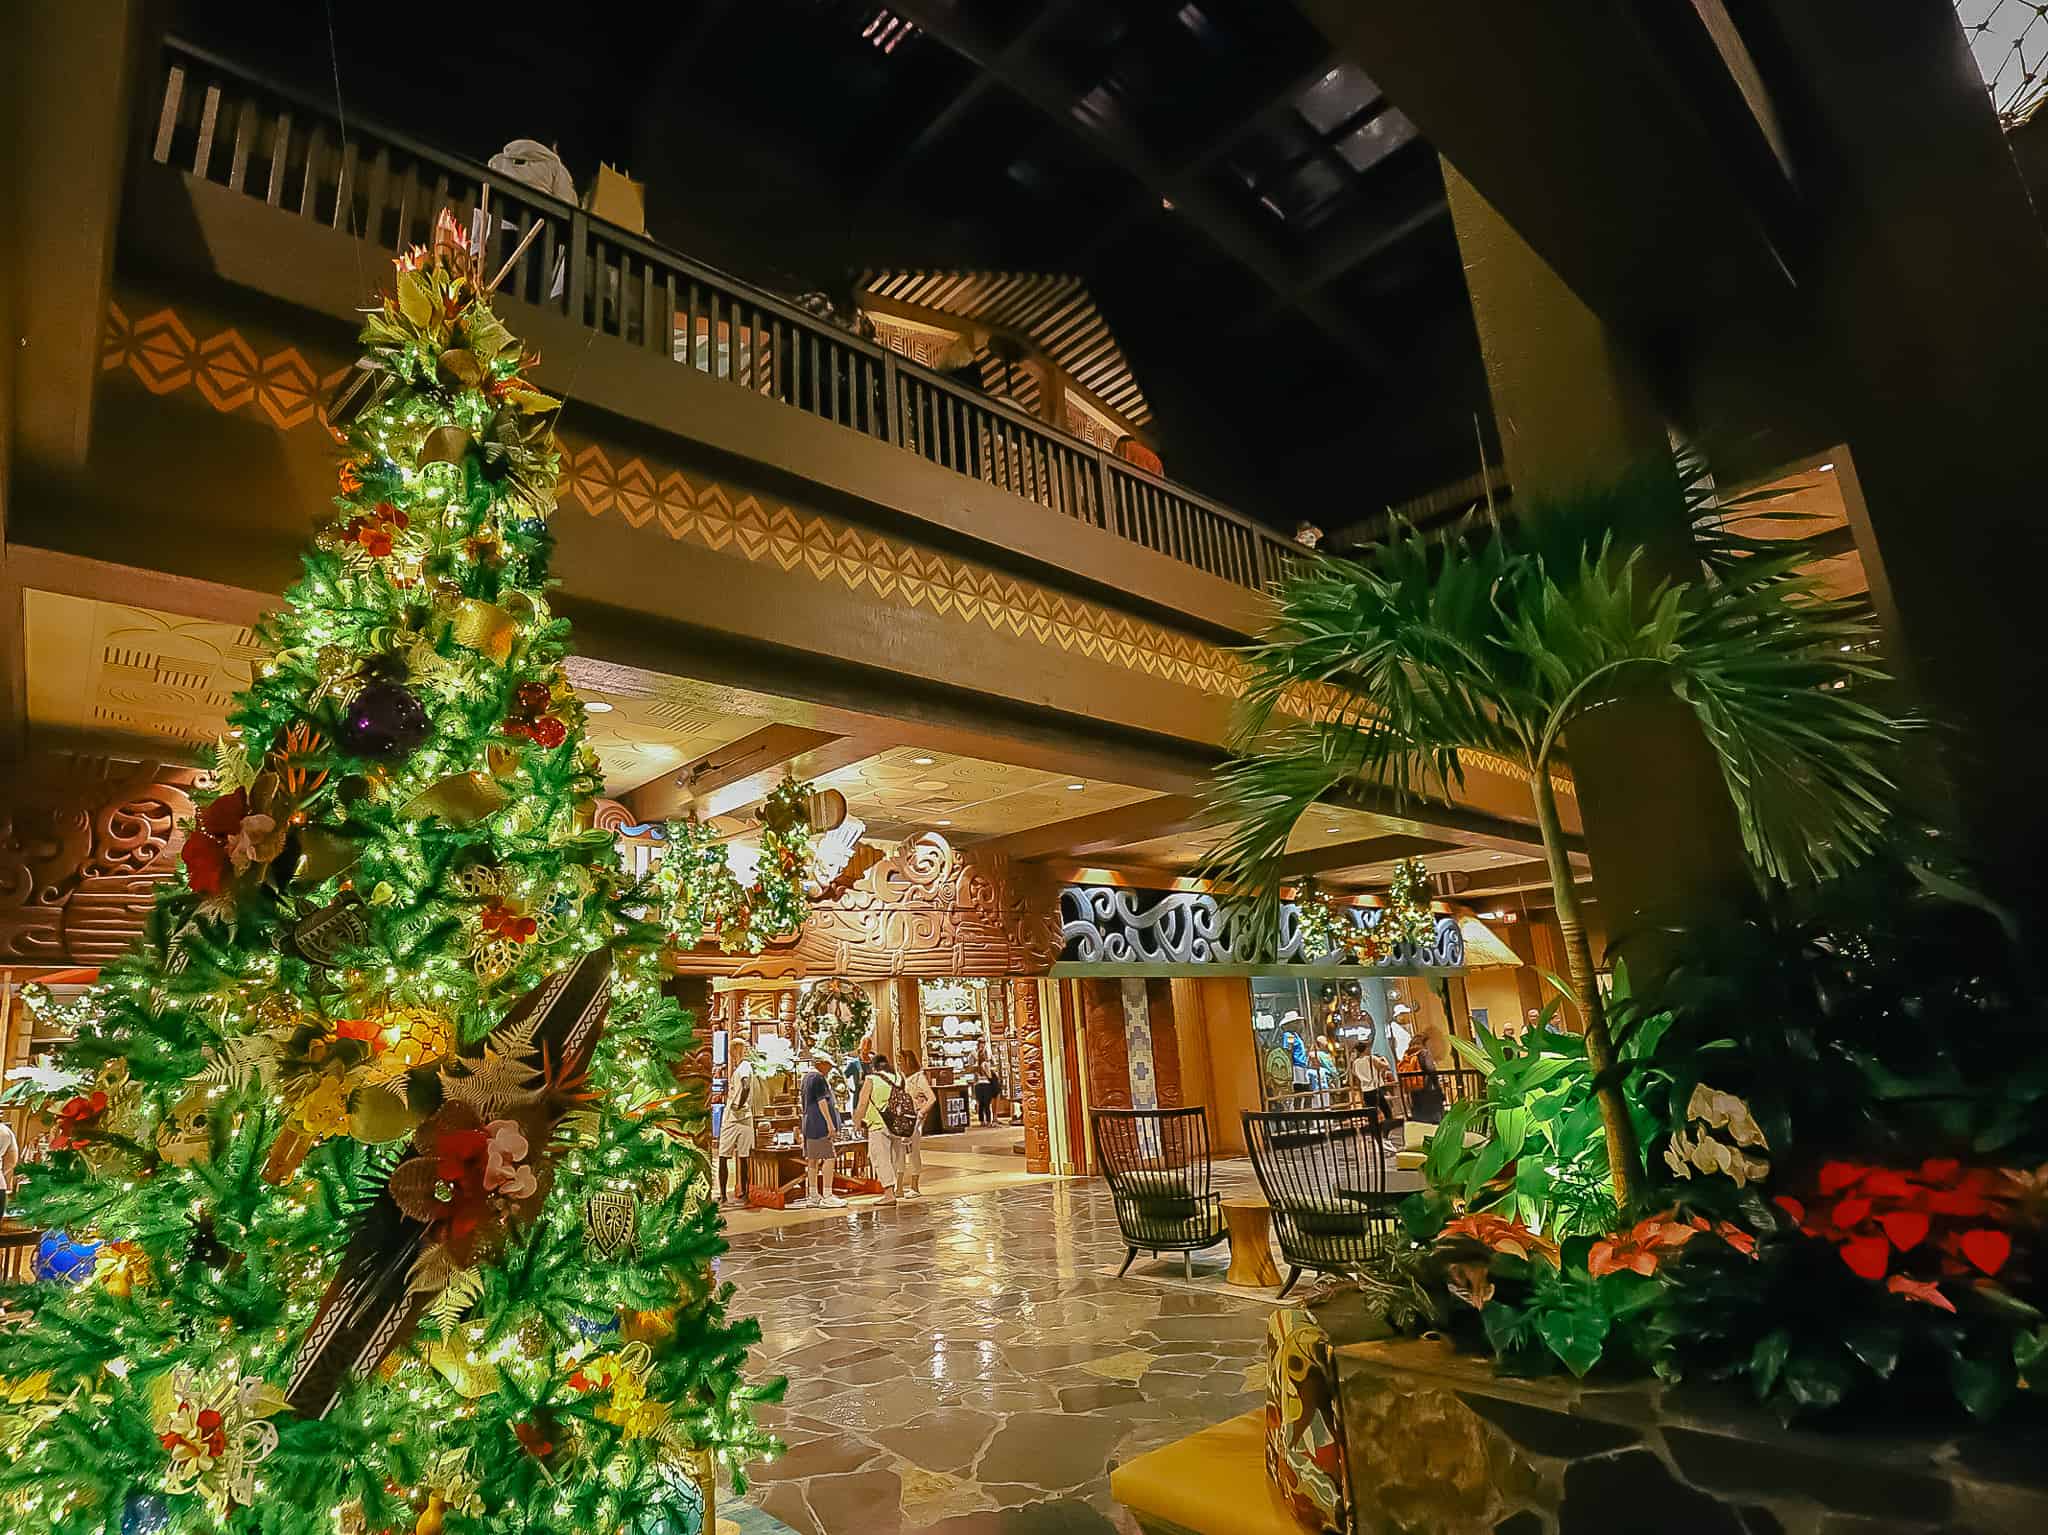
(1503, 1236)
(1641, 1248)
(1925, 1291)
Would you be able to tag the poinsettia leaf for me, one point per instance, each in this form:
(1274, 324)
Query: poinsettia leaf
(2029, 1348)
(1767, 1360)
(1982, 1385)
(1577, 1335)
(1877, 1345)
(1818, 1377)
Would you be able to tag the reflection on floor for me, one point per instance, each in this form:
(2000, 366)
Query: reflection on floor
(962, 1366)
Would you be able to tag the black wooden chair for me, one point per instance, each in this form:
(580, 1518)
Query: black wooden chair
(1157, 1164)
(1324, 1172)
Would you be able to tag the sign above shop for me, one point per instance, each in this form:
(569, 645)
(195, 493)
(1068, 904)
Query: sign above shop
(1112, 925)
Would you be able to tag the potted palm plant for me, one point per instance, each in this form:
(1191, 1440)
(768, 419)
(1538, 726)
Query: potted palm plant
(1388, 667)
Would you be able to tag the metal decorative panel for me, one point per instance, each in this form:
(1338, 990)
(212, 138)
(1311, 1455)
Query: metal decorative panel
(1113, 925)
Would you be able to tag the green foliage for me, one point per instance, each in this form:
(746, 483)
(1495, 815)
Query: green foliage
(1393, 666)
(1542, 1157)
(244, 1088)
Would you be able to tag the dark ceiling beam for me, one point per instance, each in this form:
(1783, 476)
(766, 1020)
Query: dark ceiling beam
(1359, 854)
(954, 112)
(673, 70)
(1222, 225)
(1166, 815)
(1265, 105)
(760, 751)
(1508, 879)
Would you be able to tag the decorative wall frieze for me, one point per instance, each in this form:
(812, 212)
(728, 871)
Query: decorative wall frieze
(1115, 925)
(84, 842)
(927, 909)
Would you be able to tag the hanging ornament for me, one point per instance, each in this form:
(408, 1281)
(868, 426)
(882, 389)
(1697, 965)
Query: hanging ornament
(215, 1434)
(121, 1268)
(60, 1260)
(386, 719)
(321, 937)
(460, 799)
(185, 1134)
(677, 1508)
(483, 627)
(610, 1221)
(145, 1513)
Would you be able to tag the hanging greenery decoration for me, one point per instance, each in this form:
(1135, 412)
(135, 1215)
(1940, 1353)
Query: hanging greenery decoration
(1408, 904)
(702, 897)
(1319, 923)
(836, 1014)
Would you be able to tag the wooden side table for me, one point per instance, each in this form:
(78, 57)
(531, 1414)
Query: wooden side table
(1250, 1221)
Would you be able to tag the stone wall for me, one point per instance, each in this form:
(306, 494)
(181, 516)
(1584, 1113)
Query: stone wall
(1437, 1442)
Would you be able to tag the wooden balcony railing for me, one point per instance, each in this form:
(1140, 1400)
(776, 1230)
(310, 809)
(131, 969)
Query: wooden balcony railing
(226, 125)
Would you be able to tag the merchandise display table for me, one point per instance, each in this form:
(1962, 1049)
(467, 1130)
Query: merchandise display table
(775, 1174)
(1250, 1221)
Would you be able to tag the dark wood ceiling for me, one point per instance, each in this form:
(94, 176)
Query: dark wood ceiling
(1264, 231)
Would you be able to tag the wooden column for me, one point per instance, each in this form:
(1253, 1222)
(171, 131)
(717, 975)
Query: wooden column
(1166, 1055)
(898, 1024)
(1233, 1060)
(1026, 1018)
(1109, 1062)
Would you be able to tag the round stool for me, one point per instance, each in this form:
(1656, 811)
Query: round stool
(1250, 1221)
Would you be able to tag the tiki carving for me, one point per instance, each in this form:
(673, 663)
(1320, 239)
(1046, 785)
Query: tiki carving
(83, 843)
(928, 909)
(1030, 1026)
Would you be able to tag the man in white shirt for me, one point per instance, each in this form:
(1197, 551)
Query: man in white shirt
(10, 1154)
(1398, 1031)
(736, 1125)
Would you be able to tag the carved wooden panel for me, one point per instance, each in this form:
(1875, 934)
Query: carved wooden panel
(928, 909)
(1165, 1043)
(1030, 1026)
(84, 842)
(1109, 1061)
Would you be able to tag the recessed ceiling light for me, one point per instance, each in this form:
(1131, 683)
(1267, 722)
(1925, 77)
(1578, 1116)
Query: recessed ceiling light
(596, 706)
(1077, 786)
(1827, 468)
(921, 761)
(942, 821)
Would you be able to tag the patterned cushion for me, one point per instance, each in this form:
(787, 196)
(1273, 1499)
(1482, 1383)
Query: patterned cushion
(1305, 1458)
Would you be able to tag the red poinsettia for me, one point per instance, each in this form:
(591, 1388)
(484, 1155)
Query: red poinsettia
(76, 1119)
(206, 854)
(1941, 1216)
(1503, 1236)
(502, 919)
(377, 530)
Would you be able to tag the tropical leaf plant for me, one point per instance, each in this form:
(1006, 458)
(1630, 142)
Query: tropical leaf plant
(1390, 668)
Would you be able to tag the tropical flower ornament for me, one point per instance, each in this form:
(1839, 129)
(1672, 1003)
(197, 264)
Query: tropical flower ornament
(215, 1434)
(468, 1177)
(1720, 1136)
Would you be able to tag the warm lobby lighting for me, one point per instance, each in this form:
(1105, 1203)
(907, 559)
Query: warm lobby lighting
(1827, 468)
(1077, 786)
(920, 761)
(597, 706)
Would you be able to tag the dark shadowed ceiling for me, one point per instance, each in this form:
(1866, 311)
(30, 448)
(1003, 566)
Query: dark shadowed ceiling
(1263, 230)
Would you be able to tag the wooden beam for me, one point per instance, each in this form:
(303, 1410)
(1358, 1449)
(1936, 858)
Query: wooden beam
(1354, 855)
(826, 757)
(1479, 884)
(1225, 227)
(1166, 815)
(688, 787)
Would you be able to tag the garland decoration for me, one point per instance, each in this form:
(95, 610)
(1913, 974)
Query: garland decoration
(701, 897)
(836, 1014)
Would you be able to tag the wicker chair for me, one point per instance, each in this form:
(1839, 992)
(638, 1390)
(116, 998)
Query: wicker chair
(1157, 1164)
(1324, 1172)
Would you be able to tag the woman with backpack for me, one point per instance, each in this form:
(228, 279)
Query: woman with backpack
(890, 1118)
(922, 1096)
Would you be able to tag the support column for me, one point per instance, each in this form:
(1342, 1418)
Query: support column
(1573, 413)
(1027, 1018)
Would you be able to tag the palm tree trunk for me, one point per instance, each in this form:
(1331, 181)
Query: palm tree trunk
(1624, 1158)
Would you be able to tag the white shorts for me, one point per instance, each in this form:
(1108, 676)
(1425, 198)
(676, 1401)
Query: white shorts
(736, 1138)
(884, 1150)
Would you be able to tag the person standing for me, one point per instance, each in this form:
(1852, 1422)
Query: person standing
(986, 1086)
(885, 1152)
(821, 1128)
(10, 1155)
(922, 1096)
(736, 1127)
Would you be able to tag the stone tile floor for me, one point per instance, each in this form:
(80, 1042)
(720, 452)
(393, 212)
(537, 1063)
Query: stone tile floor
(962, 1367)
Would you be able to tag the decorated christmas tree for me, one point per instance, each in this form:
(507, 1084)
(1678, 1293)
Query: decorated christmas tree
(380, 1129)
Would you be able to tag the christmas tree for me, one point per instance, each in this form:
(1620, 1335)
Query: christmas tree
(380, 1128)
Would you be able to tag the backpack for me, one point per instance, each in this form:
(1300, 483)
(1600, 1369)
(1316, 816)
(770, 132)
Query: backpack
(899, 1112)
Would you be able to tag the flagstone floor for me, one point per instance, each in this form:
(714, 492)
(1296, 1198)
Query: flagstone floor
(967, 1366)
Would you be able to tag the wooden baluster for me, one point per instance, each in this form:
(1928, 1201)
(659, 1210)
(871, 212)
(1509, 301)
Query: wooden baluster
(280, 156)
(167, 119)
(690, 326)
(574, 301)
(316, 141)
(245, 139)
(712, 296)
(816, 392)
(892, 396)
(832, 355)
(648, 336)
(345, 190)
(209, 114)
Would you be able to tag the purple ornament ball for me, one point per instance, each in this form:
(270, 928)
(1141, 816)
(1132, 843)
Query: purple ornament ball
(384, 720)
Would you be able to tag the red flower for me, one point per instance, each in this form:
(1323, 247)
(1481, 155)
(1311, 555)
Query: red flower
(1986, 1248)
(224, 817)
(350, 481)
(376, 540)
(1791, 1207)
(1642, 1247)
(75, 1118)
(206, 863)
(1906, 1228)
(365, 1029)
(1851, 1213)
(216, 1437)
(1920, 1290)
(534, 1439)
(1867, 1257)
(1836, 1176)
